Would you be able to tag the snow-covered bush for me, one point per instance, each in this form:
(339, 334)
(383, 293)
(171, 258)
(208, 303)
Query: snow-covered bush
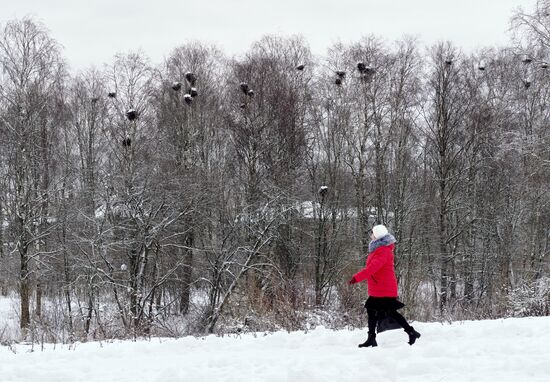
(530, 299)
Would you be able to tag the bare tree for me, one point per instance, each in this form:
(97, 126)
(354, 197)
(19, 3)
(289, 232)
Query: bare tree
(447, 145)
(189, 111)
(32, 72)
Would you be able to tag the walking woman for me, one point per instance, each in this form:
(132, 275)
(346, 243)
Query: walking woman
(382, 285)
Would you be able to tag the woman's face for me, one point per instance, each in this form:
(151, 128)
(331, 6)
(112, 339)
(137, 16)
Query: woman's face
(372, 236)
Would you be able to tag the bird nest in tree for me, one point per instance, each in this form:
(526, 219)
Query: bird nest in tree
(366, 71)
(340, 73)
(176, 86)
(131, 114)
(244, 87)
(191, 78)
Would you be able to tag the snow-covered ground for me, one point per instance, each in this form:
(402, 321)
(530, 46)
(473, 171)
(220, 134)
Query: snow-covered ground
(515, 350)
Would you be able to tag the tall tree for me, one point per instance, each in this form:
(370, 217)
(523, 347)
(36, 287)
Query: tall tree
(29, 88)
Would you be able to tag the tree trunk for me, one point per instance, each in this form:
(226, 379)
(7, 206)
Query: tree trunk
(24, 289)
(320, 254)
(90, 308)
(379, 187)
(187, 272)
(443, 247)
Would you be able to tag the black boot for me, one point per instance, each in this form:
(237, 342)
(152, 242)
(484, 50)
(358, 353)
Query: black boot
(413, 335)
(371, 341)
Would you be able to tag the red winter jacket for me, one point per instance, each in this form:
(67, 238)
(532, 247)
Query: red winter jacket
(379, 273)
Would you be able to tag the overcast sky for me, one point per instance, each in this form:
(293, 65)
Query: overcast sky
(93, 31)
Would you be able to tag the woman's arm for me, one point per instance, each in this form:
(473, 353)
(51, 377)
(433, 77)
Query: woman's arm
(380, 257)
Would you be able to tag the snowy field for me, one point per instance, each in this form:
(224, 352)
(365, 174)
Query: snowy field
(515, 350)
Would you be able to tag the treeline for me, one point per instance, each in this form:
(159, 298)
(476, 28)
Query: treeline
(209, 191)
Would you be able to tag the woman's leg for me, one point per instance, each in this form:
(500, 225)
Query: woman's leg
(400, 320)
(413, 334)
(371, 340)
(372, 320)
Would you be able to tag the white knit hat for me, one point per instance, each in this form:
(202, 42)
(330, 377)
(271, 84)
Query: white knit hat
(379, 230)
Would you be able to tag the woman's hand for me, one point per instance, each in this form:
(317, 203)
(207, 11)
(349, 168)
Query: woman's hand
(352, 281)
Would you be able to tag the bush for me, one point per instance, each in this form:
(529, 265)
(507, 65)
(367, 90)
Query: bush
(530, 299)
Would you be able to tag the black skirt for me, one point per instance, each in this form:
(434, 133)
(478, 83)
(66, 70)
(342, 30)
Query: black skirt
(383, 304)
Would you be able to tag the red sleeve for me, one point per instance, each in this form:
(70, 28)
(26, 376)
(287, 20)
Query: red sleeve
(380, 257)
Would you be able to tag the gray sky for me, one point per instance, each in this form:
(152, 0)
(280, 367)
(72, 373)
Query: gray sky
(93, 31)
